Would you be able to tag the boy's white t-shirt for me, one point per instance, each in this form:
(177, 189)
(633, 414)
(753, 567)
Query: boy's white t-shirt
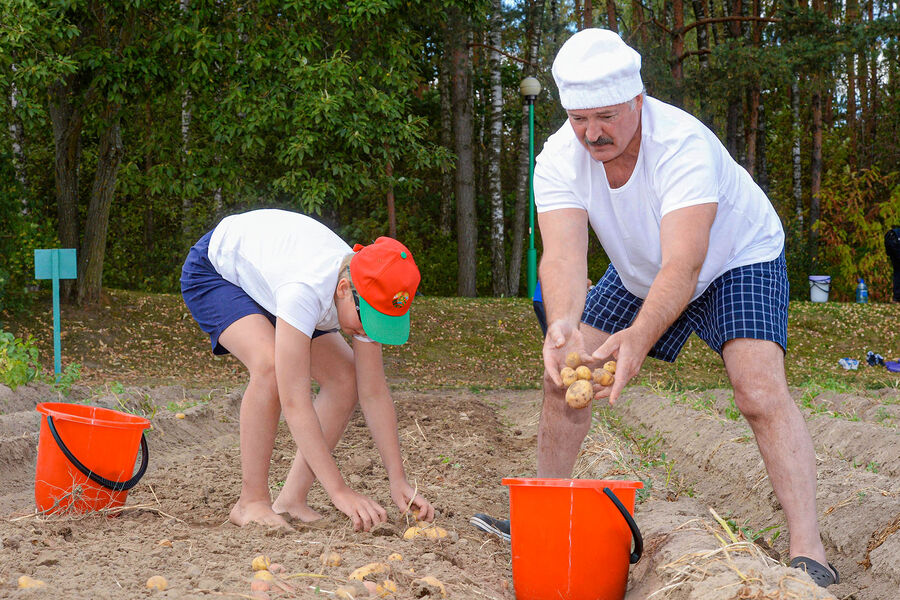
(681, 163)
(288, 262)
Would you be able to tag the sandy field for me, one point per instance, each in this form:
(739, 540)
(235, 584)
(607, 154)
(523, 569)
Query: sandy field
(711, 525)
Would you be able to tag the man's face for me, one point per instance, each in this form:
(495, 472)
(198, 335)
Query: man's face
(607, 131)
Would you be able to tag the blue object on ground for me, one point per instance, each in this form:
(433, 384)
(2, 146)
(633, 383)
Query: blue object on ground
(849, 364)
(892, 365)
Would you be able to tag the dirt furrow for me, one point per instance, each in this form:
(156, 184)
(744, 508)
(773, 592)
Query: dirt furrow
(721, 459)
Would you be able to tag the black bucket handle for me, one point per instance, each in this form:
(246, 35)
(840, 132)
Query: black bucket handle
(116, 486)
(635, 532)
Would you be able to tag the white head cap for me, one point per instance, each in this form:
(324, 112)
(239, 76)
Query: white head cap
(595, 68)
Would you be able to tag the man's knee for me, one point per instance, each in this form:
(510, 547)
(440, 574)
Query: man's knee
(761, 401)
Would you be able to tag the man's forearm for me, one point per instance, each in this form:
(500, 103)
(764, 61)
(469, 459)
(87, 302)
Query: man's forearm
(563, 298)
(669, 296)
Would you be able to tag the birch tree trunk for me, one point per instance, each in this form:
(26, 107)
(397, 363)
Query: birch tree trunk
(796, 130)
(17, 133)
(498, 235)
(533, 40)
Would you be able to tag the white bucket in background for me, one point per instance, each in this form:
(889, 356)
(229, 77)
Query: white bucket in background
(819, 285)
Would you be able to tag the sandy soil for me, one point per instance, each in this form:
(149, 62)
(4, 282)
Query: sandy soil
(688, 450)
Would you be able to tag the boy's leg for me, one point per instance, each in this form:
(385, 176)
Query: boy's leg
(251, 340)
(332, 366)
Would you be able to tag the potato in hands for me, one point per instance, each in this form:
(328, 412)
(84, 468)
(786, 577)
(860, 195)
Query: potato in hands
(580, 394)
(578, 379)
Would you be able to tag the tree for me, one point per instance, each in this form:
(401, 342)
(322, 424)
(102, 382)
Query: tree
(461, 99)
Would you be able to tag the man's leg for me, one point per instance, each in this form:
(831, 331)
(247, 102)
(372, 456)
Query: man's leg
(756, 371)
(563, 428)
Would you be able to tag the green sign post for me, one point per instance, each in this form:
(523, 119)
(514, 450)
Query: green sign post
(55, 264)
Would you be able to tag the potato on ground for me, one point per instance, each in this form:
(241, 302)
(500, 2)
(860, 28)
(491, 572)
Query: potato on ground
(579, 394)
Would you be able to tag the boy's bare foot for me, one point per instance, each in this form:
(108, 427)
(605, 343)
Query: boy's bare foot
(257, 512)
(297, 510)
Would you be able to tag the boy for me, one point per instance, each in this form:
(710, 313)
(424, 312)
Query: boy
(273, 288)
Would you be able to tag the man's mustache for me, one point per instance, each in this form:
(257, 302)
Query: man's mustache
(600, 141)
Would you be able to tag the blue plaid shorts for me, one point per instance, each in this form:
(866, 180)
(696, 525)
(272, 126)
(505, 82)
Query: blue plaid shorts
(745, 302)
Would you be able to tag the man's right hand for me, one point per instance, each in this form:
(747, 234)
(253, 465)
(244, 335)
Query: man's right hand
(362, 510)
(562, 338)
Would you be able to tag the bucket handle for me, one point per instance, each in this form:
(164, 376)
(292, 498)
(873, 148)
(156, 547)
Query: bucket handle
(635, 532)
(116, 486)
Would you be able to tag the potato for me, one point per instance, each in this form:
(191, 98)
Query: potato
(157, 582)
(331, 559)
(583, 372)
(579, 394)
(573, 360)
(610, 366)
(428, 531)
(568, 376)
(429, 586)
(260, 563)
(28, 583)
(258, 585)
(370, 571)
(386, 588)
(264, 575)
(395, 556)
(603, 377)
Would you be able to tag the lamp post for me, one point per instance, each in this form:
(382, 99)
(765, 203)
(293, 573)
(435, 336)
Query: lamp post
(530, 88)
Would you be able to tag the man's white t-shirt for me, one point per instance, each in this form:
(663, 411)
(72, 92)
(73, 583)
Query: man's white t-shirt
(288, 262)
(681, 163)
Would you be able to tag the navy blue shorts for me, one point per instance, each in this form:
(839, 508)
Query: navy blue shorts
(745, 302)
(215, 303)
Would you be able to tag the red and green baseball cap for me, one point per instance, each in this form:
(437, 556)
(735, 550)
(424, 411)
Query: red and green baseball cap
(386, 277)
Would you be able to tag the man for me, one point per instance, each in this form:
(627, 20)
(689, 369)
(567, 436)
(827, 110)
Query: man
(694, 245)
(892, 248)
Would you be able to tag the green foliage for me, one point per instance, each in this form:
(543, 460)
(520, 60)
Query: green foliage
(69, 376)
(18, 360)
(857, 209)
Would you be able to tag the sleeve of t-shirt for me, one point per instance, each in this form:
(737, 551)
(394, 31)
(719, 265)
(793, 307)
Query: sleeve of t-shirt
(553, 184)
(298, 305)
(686, 175)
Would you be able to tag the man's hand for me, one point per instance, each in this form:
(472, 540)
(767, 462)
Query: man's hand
(420, 507)
(561, 339)
(362, 510)
(629, 348)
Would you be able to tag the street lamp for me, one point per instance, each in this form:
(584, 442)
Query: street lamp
(530, 88)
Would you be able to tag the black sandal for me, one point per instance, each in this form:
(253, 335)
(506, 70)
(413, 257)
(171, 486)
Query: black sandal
(822, 575)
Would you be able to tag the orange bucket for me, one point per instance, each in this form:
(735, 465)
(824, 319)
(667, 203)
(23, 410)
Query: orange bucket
(85, 458)
(571, 538)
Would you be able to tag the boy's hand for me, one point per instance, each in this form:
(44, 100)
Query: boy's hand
(403, 492)
(363, 511)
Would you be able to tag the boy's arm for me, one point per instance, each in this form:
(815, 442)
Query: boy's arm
(378, 409)
(292, 356)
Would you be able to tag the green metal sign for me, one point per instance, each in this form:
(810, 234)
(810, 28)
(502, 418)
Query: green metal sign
(55, 264)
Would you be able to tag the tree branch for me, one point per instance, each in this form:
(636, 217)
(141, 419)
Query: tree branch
(507, 55)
